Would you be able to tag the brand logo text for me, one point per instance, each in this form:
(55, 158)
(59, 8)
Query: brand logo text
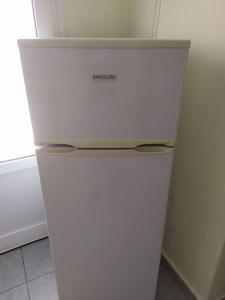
(104, 76)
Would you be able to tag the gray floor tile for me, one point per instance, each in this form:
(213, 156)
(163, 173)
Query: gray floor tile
(37, 259)
(169, 289)
(18, 293)
(43, 288)
(11, 270)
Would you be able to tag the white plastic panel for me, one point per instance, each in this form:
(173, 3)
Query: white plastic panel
(103, 43)
(106, 218)
(66, 103)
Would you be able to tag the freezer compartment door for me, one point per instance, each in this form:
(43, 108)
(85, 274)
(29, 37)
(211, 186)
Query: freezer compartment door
(76, 93)
(106, 217)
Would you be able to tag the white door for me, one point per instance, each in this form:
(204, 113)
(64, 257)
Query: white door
(106, 218)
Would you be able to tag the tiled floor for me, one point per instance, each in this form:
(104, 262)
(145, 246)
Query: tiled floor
(27, 274)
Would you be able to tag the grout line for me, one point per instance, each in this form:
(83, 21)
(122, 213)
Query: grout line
(23, 264)
(14, 287)
(28, 292)
(40, 276)
(25, 273)
(26, 283)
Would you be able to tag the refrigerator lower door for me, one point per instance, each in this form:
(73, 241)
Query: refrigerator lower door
(106, 217)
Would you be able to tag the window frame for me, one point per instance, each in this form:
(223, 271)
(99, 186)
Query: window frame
(49, 18)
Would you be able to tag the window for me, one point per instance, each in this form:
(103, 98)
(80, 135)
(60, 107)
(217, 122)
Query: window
(16, 138)
(17, 21)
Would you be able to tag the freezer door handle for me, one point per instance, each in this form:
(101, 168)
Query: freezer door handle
(154, 148)
(56, 148)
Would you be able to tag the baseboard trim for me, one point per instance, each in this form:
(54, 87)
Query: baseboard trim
(182, 277)
(23, 236)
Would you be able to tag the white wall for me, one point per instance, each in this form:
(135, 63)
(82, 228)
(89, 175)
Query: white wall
(144, 13)
(109, 18)
(22, 216)
(99, 18)
(195, 228)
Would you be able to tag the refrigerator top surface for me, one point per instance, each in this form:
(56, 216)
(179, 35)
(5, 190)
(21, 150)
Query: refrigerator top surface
(102, 43)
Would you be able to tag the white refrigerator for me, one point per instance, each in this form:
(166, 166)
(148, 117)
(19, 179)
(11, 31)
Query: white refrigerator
(104, 114)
